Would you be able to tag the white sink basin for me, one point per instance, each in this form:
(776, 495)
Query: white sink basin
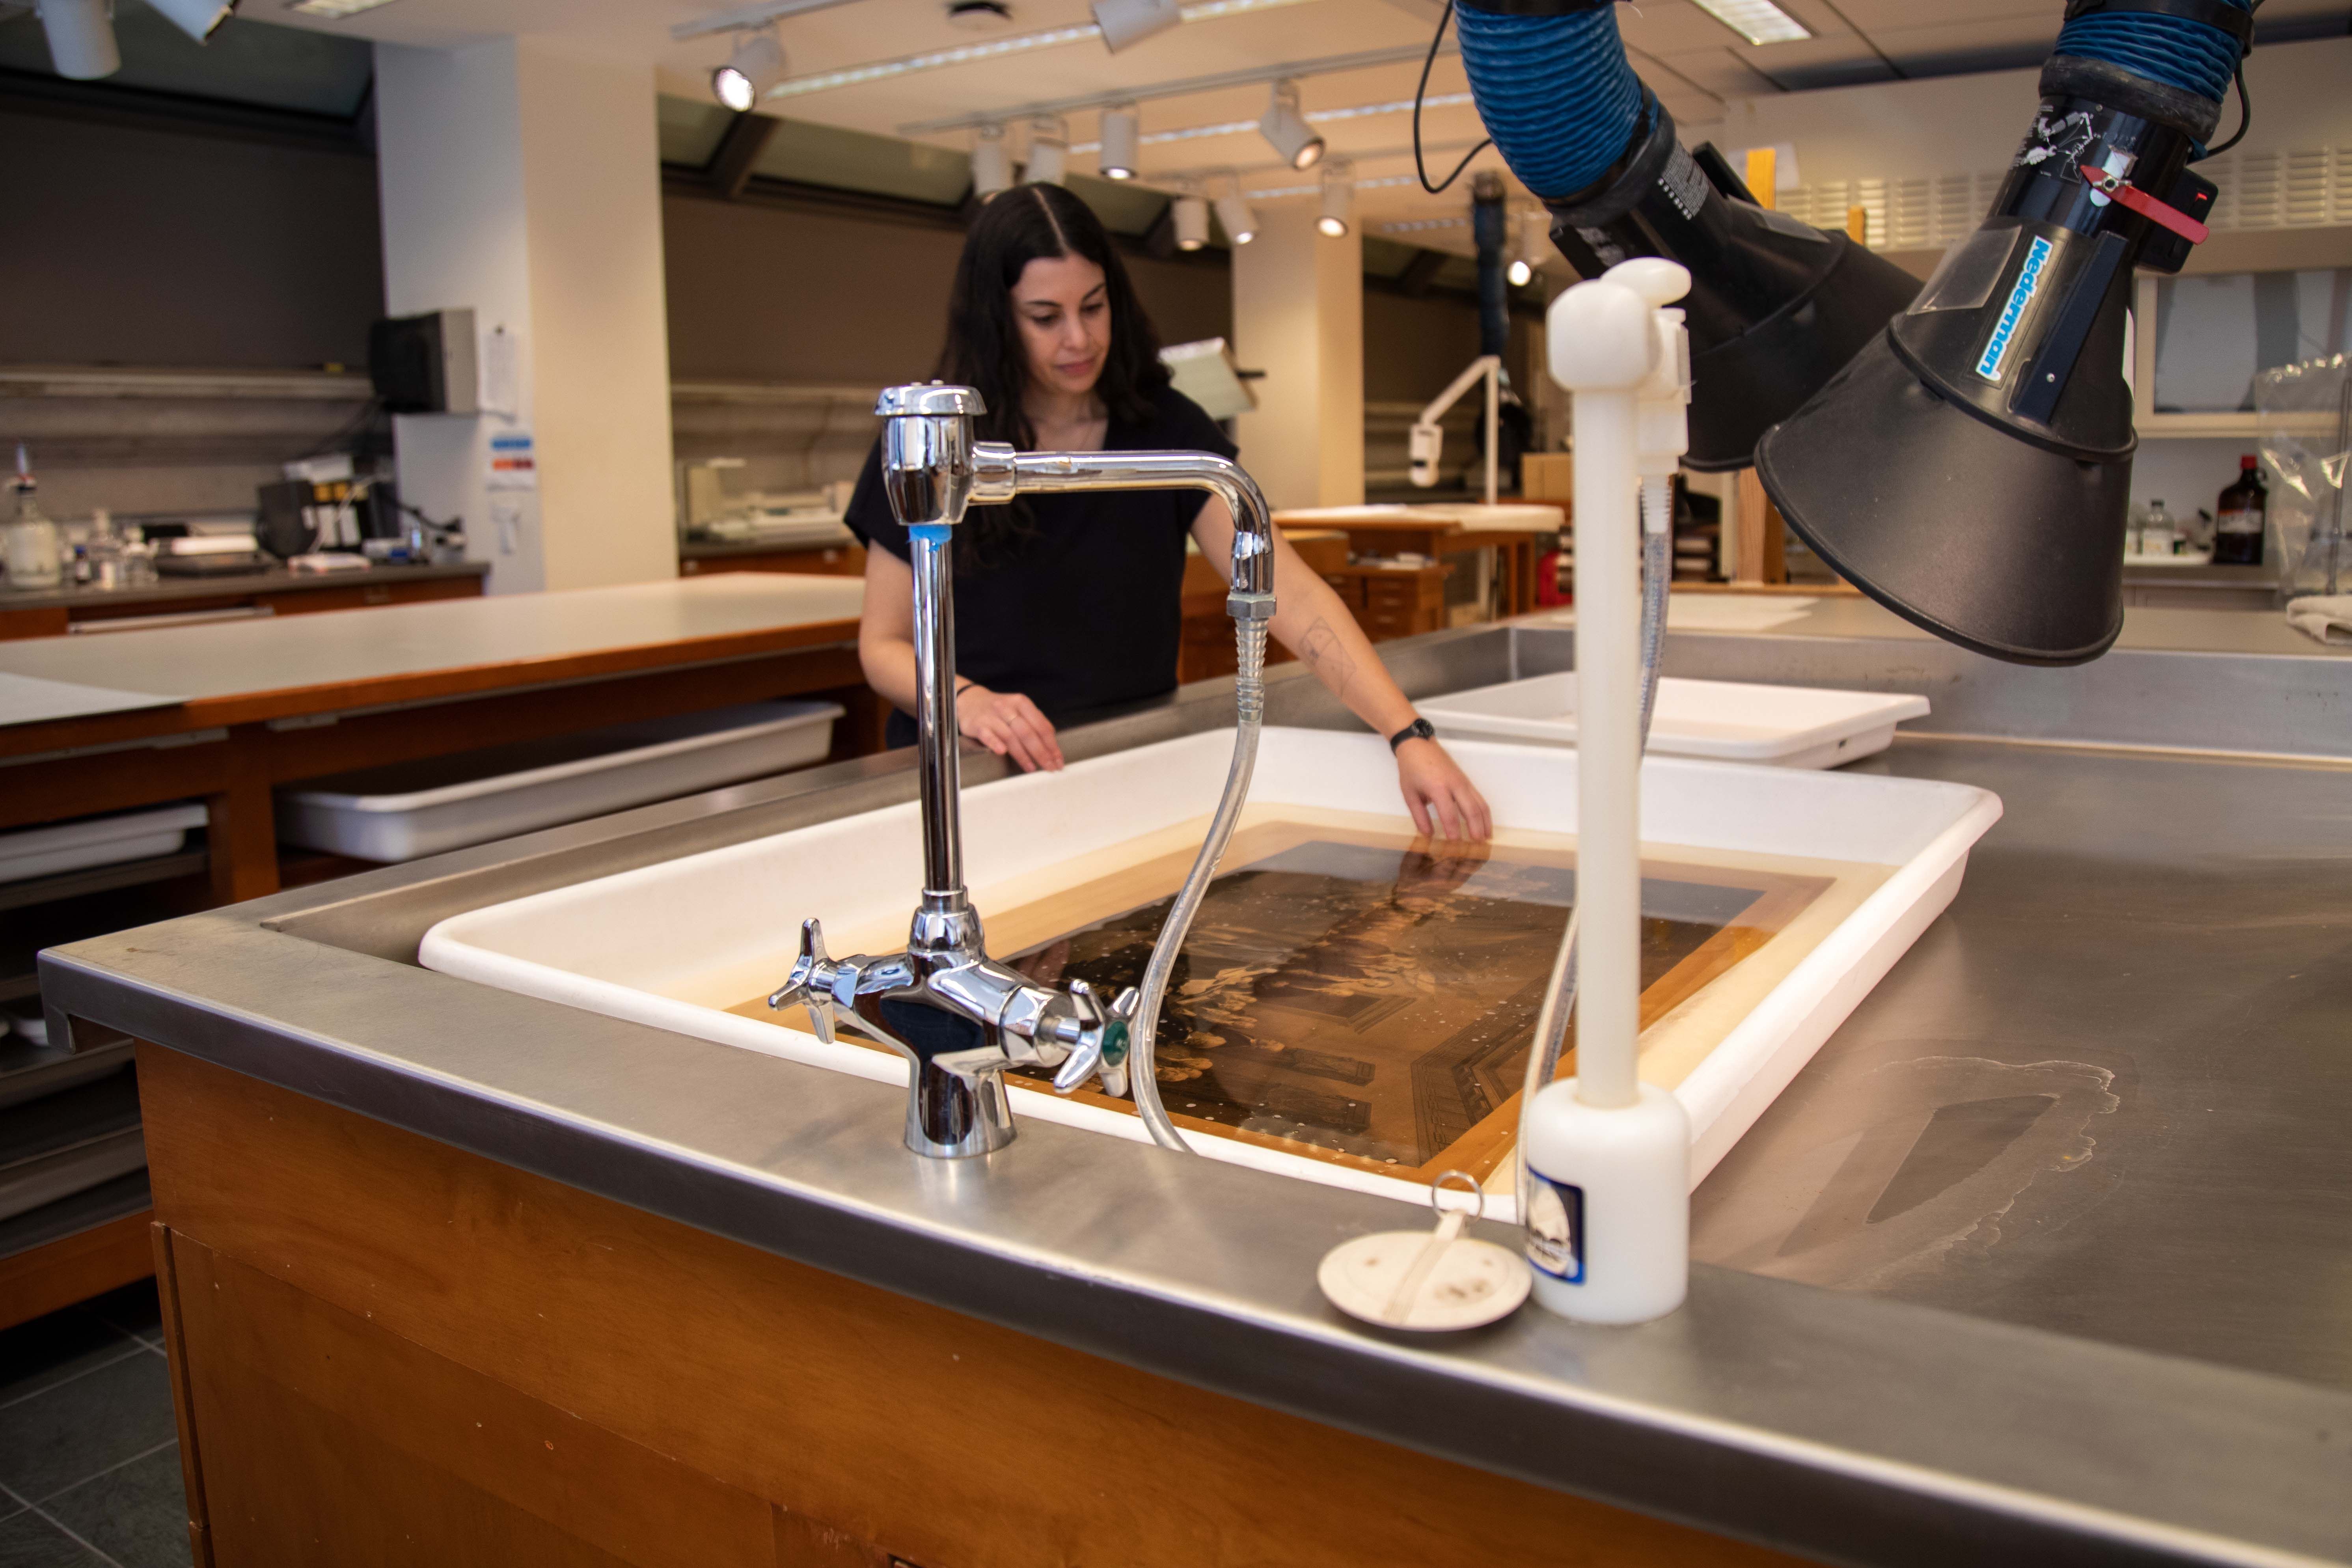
(1362, 1004)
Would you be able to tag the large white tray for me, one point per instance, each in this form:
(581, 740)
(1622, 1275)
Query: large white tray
(412, 809)
(674, 944)
(1731, 721)
(100, 841)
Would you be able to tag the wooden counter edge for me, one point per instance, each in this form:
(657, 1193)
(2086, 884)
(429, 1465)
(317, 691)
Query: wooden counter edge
(500, 1354)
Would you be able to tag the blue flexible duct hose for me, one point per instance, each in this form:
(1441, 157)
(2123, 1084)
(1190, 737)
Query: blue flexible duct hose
(2191, 56)
(1556, 92)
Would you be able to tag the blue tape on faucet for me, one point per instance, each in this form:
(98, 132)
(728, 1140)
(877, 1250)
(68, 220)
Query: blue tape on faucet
(930, 532)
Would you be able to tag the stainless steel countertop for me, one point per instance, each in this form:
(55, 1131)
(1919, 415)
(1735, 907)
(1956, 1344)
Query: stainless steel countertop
(2061, 1219)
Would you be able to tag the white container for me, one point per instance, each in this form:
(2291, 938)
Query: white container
(674, 945)
(1726, 720)
(414, 809)
(101, 841)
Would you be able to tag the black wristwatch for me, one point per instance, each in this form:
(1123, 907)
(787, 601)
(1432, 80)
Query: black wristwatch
(1419, 730)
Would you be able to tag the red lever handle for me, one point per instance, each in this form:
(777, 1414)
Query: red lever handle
(2114, 188)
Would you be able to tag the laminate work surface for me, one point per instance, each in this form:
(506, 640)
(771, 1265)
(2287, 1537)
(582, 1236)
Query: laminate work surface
(521, 634)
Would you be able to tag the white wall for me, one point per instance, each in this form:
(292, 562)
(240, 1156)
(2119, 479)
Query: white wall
(523, 180)
(1298, 315)
(1968, 125)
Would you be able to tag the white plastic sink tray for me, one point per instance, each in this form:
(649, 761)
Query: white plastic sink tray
(675, 944)
(99, 841)
(412, 809)
(1730, 721)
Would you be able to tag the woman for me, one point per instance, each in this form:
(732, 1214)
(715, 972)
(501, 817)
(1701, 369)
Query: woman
(1068, 604)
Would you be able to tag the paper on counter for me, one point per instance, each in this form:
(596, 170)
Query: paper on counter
(29, 700)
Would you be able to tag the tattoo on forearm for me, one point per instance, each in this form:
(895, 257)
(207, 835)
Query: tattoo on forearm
(1325, 654)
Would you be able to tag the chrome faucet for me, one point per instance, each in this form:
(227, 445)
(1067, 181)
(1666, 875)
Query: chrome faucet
(958, 1015)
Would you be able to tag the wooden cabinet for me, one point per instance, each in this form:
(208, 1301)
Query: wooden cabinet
(187, 603)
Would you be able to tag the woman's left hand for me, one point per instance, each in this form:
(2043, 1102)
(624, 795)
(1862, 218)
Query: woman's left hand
(1444, 803)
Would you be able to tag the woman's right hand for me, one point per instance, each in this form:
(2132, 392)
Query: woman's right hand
(1010, 725)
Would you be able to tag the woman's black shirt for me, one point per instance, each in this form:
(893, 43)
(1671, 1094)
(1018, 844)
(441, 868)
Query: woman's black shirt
(1083, 610)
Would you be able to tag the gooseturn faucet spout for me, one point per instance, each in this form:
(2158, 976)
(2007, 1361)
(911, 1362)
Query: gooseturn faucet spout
(958, 1015)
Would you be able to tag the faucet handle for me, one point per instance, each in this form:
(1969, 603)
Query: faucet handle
(811, 980)
(1101, 1048)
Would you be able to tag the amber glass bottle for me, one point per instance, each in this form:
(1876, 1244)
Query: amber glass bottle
(2238, 519)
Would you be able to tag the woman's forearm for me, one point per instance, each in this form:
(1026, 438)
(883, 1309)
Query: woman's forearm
(1310, 621)
(889, 664)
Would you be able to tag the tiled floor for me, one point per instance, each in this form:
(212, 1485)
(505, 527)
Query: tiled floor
(90, 1463)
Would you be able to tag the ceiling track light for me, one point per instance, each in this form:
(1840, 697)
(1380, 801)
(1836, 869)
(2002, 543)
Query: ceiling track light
(1339, 213)
(1285, 129)
(198, 18)
(991, 162)
(1190, 215)
(1049, 152)
(1122, 137)
(1526, 234)
(1235, 213)
(82, 38)
(1126, 22)
(756, 65)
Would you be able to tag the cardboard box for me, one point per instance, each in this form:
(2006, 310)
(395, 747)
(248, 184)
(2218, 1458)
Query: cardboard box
(1547, 476)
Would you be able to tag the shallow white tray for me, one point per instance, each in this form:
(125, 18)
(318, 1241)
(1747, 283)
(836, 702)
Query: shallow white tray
(1732, 721)
(673, 945)
(413, 809)
(100, 841)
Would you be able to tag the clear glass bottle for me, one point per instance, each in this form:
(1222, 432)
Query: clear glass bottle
(2157, 533)
(31, 544)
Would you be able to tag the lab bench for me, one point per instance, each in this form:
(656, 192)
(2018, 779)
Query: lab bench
(246, 595)
(223, 715)
(2038, 1261)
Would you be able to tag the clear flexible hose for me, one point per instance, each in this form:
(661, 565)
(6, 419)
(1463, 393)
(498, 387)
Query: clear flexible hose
(1559, 995)
(1249, 714)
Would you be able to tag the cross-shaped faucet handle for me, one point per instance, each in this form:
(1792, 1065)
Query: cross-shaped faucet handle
(811, 981)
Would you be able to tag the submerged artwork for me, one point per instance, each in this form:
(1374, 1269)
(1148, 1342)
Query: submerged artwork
(1374, 999)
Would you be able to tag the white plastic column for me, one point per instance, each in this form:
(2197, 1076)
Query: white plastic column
(1608, 1156)
(1298, 315)
(523, 180)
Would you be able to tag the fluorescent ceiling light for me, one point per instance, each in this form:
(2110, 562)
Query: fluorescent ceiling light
(1757, 21)
(967, 54)
(1415, 225)
(334, 10)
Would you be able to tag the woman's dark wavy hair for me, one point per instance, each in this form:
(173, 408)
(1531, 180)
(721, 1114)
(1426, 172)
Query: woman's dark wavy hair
(983, 348)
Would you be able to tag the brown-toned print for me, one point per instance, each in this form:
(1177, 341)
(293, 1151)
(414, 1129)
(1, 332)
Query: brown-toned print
(1370, 998)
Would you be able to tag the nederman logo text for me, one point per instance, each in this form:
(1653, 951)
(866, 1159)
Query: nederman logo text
(2029, 278)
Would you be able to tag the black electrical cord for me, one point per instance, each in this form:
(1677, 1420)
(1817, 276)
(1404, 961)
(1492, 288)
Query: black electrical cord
(1421, 90)
(2245, 116)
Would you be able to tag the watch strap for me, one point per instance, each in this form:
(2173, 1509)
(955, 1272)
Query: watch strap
(1419, 730)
